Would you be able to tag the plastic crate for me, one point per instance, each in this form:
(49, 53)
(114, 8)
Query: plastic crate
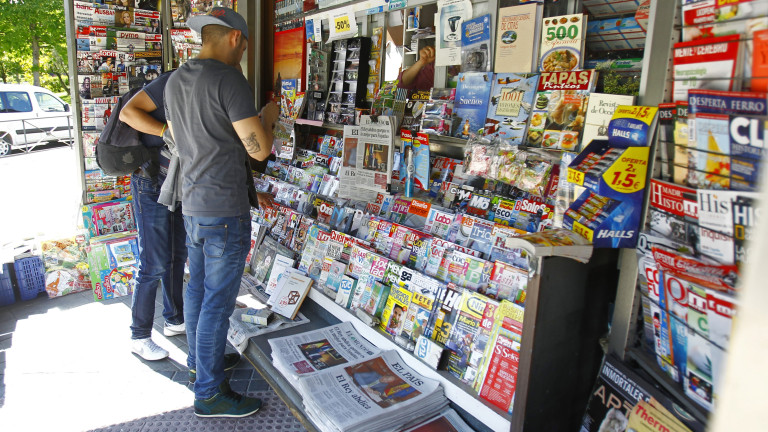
(7, 295)
(30, 275)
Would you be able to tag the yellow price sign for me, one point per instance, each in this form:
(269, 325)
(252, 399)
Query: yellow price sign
(582, 230)
(575, 177)
(642, 113)
(342, 24)
(627, 174)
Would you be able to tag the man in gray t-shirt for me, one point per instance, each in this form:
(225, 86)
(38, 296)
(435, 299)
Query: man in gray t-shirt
(212, 117)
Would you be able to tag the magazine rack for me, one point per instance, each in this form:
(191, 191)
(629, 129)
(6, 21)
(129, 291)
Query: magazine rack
(559, 357)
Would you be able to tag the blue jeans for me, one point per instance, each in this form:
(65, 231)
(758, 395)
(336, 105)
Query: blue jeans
(162, 254)
(217, 250)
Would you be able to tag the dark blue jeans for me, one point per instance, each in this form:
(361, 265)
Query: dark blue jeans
(162, 254)
(217, 250)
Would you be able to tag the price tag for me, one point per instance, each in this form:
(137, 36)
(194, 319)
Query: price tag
(627, 174)
(642, 113)
(582, 230)
(575, 177)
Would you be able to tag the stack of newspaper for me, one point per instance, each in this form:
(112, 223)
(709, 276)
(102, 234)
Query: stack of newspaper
(350, 385)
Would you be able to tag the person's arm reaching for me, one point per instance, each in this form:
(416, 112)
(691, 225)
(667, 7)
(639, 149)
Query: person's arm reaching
(136, 114)
(426, 56)
(256, 132)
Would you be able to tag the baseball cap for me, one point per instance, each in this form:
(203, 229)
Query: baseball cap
(222, 16)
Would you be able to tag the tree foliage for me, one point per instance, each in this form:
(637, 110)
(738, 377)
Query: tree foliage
(33, 45)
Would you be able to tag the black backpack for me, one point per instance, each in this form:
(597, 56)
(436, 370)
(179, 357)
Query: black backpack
(119, 150)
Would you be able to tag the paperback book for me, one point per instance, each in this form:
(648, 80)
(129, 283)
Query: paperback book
(471, 107)
(560, 108)
(517, 38)
(562, 43)
(511, 104)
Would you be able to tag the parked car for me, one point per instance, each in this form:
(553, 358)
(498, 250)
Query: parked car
(30, 116)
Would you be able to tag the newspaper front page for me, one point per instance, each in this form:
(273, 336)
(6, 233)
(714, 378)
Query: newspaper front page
(367, 159)
(381, 393)
(308, 353)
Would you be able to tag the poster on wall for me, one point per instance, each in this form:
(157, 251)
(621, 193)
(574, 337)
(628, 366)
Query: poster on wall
(288, 58)
(450, 15)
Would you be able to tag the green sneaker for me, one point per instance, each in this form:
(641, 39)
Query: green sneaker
(226, 403)
(230, 361)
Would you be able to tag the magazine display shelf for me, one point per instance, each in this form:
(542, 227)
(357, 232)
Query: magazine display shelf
(559, 355)
(657, 82)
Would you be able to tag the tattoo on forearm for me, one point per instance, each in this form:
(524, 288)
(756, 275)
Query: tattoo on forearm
(251, 143)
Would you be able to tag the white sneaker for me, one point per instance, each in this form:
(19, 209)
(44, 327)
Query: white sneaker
(174, 329)
(148, 349)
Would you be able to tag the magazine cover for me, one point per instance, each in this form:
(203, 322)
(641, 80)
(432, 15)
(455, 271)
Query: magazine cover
(476, 44)
(395, 311)
(562, 43)
(510, 107)
(109, 217)
(517, 38)
(446, 309)
(471, 107)
(600, 109)
(560, 108)
(617, 390)
(710, 63)
(745, 221)
(500, 381)
(463, 332)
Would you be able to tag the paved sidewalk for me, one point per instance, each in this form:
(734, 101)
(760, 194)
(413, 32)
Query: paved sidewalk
(66, 365)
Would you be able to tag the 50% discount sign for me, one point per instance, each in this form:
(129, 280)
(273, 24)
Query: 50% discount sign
(342, 24)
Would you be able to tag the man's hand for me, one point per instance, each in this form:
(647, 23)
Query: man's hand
(427, 55)
(265, 200)
(269, 114)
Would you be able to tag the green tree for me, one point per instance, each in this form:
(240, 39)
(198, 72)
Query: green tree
(33, 42)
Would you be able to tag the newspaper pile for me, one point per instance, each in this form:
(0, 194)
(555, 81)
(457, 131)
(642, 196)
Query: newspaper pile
(350, 385)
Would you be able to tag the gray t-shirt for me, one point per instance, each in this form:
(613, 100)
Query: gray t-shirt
(202, 100)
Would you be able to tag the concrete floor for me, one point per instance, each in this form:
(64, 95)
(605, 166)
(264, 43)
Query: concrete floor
(66, 365)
